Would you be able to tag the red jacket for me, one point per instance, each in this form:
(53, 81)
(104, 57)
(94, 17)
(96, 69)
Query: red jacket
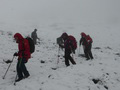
(23, 47)
(85, 40)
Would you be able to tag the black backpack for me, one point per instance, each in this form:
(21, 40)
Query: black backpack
(59, 40)
(31, 44)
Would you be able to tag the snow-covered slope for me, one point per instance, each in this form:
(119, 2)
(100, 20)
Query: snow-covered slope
(46, 74)
(99, 19)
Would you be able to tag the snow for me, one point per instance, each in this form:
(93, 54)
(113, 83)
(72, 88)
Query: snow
(99, 19)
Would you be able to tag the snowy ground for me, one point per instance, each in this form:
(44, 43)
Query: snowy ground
(99, 19)
(46, 74)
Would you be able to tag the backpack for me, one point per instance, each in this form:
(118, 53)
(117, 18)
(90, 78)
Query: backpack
(89, 39)
(59, 40)
(31, 44)
(73, 42)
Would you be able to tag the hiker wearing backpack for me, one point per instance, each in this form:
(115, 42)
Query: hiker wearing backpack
(68, 48)
(86, 41)
(34, 36)
(23, 56)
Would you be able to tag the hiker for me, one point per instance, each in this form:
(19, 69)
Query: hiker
(23, 56)
(86, 41)
(34, 36)
(68, 49)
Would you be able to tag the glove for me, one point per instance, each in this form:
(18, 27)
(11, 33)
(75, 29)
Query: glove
(39, 39)
(15, 54)
(61, 46)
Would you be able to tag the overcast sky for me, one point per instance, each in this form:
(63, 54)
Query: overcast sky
(38, 11)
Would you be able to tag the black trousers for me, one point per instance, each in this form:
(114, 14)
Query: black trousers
(35, 40)
(68, 57)
(87, 51)
(21, 68)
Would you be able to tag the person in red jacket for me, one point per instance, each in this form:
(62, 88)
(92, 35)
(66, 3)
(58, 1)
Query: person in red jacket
(68, 49)
(86, 41)
(23, 56)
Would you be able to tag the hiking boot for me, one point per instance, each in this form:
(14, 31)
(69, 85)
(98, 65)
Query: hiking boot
(92, 58)
(27, 76)
(67, 65)
(88, 59)
(17, 80)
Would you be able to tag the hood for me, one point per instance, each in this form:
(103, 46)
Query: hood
(83, 34)
(64, 36)
(19, 36)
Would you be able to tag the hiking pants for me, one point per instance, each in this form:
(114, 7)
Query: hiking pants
(35, 40)
(68, 57)
(88, 52)
(21, 68)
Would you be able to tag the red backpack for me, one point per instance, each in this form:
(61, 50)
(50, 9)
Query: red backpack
(89, 39)
(73, 41)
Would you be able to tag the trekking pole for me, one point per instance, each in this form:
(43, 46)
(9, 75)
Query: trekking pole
(79, 50)
(58, 55)
(15, 80)
(8, 68)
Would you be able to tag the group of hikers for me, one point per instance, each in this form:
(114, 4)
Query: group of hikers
(68, 42)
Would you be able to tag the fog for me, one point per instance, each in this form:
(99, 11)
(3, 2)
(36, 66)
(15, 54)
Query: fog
(40, 12)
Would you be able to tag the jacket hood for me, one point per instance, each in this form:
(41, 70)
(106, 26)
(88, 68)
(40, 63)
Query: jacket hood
(83, 34)
(64, 35)
(19, 36)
